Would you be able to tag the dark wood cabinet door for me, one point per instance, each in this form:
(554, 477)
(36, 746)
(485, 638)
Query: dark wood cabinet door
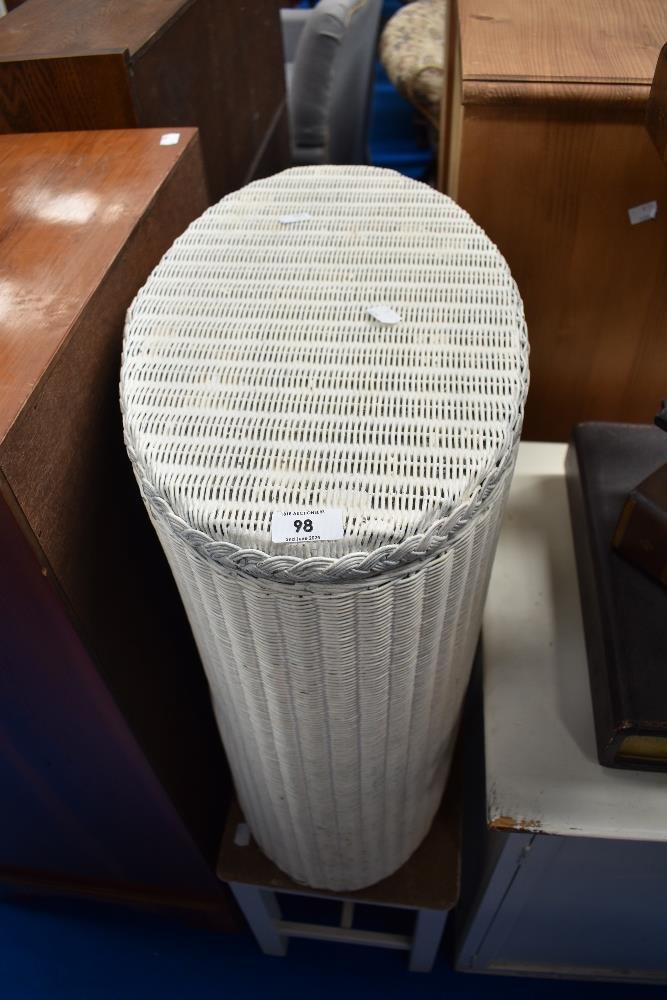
(112, 772)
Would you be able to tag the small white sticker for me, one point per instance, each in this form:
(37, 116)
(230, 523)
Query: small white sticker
(642, 213)
(287, 220)
(170, 138)
(383, 314)
(307, 524)
(242, 835)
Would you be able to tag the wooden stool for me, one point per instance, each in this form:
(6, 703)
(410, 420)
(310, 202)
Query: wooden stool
(428, 884)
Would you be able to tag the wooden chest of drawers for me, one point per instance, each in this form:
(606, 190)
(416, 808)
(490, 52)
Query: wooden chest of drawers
(543, 142)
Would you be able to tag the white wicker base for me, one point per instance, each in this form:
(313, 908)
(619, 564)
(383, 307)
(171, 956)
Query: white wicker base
(339, 706)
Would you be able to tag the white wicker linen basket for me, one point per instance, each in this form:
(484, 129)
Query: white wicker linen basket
(258, 380)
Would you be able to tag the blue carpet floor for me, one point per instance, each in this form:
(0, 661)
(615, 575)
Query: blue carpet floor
(80, 950)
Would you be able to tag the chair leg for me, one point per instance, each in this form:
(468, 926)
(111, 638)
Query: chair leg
(261, 910)
(429, 925)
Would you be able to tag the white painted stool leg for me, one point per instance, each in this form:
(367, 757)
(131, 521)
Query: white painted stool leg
(261, 910)
(429, 925)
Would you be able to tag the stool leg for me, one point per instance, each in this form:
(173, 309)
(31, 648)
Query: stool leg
(261, 910)
(347, 914)
(429, 925)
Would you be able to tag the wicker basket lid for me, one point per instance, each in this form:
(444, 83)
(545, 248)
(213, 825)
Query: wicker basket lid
(329, 338)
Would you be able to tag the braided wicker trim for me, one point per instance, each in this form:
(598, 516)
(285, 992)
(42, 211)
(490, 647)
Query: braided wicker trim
(355, 566)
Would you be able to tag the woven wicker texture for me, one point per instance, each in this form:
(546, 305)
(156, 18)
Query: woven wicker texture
(254, 380)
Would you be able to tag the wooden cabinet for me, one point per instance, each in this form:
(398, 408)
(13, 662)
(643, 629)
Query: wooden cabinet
(543, 142)
(112, 774)
(216, 64)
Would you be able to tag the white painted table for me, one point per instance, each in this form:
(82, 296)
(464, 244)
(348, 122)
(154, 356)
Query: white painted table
(588, 899)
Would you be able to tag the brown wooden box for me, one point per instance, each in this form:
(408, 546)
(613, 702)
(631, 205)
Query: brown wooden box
(624, 612)
(112, 774)
(641, 533)
(216, 64)
(543, 141)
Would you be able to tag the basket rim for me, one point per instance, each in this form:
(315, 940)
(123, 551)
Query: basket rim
(360, 565)
(355, 566)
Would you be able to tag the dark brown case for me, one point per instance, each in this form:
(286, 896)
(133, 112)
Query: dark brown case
(624, 612)
(641, 533)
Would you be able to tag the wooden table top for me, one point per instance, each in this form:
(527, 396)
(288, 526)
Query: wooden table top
(72, 27)
(68, 202)
(595, 50)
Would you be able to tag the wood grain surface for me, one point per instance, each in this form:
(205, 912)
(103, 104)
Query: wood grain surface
(63, 93)
(60, 230)
(554, 195)
(79, 27)
(586, 43)
(547, 150)
(656, 114)
(233, 97)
